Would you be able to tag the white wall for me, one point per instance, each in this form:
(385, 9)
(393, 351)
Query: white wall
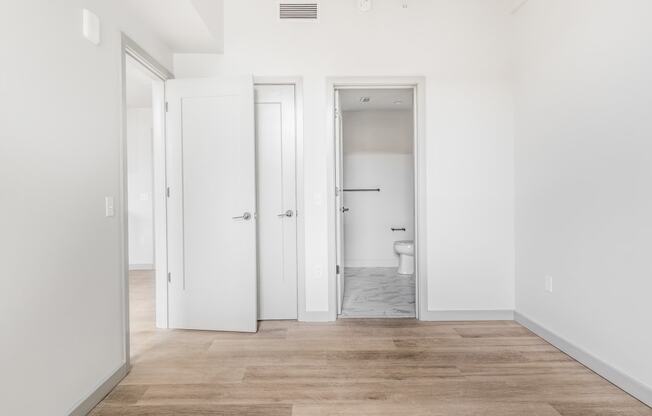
(377, 154)
(140, 188)
(378, 131)
(463, 49)
(584, 175)
(61, 277)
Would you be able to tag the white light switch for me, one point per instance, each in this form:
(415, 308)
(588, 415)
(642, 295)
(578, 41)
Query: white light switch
(108, 206)
(91, 27)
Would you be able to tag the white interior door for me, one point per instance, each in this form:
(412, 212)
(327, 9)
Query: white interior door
(276, 183)
(339, 198)
(211, 217)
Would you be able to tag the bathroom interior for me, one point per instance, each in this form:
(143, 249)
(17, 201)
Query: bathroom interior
(378, 212)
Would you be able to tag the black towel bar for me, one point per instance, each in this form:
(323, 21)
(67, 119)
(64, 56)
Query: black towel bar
(362, 190)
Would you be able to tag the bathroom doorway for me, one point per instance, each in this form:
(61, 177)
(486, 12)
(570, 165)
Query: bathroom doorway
(375, 202)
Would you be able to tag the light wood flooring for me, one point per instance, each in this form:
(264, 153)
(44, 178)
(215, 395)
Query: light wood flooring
(354, 367)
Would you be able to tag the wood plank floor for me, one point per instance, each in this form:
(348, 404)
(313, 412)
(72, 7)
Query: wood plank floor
(354, 367)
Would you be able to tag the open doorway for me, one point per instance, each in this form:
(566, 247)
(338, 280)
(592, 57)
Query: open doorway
(144, 184)
(376, 224)
(140, 204)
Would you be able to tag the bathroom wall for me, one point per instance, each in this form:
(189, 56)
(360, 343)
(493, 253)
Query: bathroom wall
(377, 154)
(140, 182)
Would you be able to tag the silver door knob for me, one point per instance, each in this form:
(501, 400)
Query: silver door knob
(246, 216)
(289, 213)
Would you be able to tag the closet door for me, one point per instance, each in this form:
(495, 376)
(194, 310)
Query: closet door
(277, 216)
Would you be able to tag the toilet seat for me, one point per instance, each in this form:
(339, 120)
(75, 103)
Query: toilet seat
(404, 247)
(404, 243)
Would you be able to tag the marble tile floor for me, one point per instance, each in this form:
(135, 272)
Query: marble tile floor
(377, 292)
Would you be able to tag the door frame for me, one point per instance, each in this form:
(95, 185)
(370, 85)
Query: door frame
(418, 85)
(297, 83)
(129, 48)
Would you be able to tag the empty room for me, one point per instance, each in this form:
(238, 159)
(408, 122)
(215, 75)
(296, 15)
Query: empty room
(326, 208)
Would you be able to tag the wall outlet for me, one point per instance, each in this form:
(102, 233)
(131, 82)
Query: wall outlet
(549, 284)
(317, 199)
(319, 273)
(109, 209)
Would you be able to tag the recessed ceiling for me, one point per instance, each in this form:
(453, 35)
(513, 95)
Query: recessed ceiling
(185, 26)
(375, 99)
(139, 85)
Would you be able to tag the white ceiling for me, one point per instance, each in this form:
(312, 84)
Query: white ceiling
(379, 99)
(190, 26)
(139, 85)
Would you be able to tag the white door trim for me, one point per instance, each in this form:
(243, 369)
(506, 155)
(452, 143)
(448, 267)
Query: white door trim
(130, 48)
(418, 84)
(297, 82)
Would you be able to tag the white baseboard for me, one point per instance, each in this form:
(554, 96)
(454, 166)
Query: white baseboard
(311, 316)
(84, 406)
(462, 315)
(371, 263)
(468, 315)
(632, 386)
(141, 267)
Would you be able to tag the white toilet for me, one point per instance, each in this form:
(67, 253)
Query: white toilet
(405, 251)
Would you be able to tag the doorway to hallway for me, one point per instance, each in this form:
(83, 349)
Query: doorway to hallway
(145, 201)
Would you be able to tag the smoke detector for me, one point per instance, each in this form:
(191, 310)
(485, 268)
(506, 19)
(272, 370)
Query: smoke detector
(364, 5)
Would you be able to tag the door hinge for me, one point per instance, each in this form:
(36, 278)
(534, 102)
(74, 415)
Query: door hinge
(169, 277)
(337, 269)
(167, 191)
(166, 106)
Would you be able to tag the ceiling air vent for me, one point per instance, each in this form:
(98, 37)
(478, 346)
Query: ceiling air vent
(298, 11)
